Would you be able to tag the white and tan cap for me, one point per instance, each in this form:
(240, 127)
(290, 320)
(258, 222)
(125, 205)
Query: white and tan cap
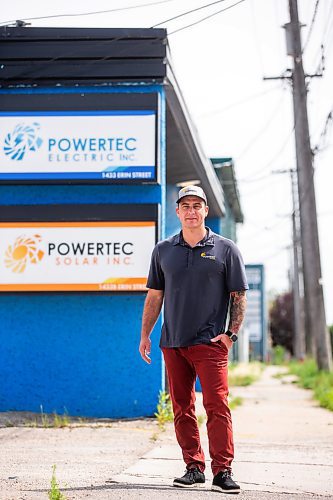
(192, 191)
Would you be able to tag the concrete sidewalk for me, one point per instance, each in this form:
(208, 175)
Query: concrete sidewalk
(284, 450)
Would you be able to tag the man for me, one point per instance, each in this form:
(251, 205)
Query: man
(198, 274)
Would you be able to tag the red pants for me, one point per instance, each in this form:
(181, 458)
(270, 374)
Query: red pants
(210, 363)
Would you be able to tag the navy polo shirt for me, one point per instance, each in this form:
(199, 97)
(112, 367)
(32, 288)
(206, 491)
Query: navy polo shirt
(197, 283)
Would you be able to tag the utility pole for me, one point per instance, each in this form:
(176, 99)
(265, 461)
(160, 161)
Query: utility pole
(296, 275)
(299, 338)
(314, 299)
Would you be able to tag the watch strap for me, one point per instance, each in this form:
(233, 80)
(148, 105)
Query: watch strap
(232, 336)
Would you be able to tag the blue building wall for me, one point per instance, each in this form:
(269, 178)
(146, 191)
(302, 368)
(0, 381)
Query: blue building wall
(94, 194)
(79, 351)
(215, 223)
(76, 352)
(172, 221)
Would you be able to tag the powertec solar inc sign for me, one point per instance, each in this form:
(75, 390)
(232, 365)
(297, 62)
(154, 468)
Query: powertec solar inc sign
(75, 256)
(78, 145)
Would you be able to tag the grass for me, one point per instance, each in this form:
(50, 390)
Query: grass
(244, 374)
(56, 421)
(164, 412)
(54, 492)
(61, 421)
(320, 382)
(154, 437)
(280, 375)
(201, 419)
(44, 418)
(278, 355)
(47, 421)
(234, 402)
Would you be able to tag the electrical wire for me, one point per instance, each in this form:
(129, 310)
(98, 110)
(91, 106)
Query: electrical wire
(311, 26)
(186, 13)
(130, 7)
(328, 46)
(276, 253)
(324, 39)
(64, 55)
(205, 18)
(277, 154)
(262, 130)
(256, 36)
(260, 188)
(323, 133)
(329, 23)
(238, 103)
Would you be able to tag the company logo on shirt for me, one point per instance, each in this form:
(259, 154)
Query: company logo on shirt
(204, 256)
(25, 251)
(22, 139)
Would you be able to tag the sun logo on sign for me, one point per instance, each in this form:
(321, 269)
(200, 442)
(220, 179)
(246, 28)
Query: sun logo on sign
(25, 250)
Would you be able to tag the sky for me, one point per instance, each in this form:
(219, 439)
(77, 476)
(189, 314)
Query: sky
(220, 64)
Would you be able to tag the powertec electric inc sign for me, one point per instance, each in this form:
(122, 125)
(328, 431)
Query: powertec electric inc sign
(70, 256)
(82, 145)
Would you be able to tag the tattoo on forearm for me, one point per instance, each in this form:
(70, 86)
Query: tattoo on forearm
(151, 312)
(237, 310)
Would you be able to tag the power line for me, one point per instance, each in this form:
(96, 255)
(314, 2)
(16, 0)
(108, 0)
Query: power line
(205, 18)
(258, 179)
(130, 7)
(238, 103)
(324, 39)
(250, 178)
(261, 131)
(328, 24)
(256, 36)
(187, 12)
(311, 25)
(323, 133)
(277, 154)
(108, 42)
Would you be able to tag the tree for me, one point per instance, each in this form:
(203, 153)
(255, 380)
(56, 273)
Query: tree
(281, 317)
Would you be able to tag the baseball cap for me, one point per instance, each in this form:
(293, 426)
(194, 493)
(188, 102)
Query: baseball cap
(192, 191)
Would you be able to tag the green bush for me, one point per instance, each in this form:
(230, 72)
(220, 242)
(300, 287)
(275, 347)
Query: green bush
(323, 390)
(278, 355)
(306, 371)
(241, 380)
(321, 382)
(54, 493)
(234, 401)
(243, 374)
(164, 410)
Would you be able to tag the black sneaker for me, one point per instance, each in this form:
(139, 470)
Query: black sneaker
(223, 482)
(190, 478)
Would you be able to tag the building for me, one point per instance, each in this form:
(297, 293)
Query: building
(95, 138)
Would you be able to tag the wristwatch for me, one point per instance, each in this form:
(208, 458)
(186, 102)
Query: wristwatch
(232, 336)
